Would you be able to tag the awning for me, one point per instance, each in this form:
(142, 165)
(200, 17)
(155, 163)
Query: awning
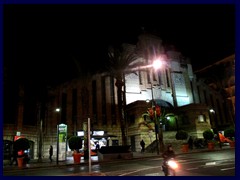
(163, 103)
(103, 136)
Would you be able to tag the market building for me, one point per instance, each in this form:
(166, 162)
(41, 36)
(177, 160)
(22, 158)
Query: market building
(184, 98)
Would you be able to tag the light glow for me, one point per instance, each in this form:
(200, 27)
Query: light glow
(57, 109)
(212, 111)
(157, 64)
(173, 164)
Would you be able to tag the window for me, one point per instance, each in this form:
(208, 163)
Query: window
(148, 77)
(198, 90)
(168, 84)
(154, 76)
(205, 96)
(140, 77)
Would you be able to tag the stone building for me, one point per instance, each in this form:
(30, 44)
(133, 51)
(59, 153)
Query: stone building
(182, 95)
(222, 81)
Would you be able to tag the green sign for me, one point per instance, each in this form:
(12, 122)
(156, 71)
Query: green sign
(62, 128)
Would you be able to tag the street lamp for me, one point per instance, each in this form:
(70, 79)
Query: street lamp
(213, 113)
(155, 119)
(58, 111)
(156, 65)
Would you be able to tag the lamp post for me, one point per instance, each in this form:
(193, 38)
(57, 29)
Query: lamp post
(58, 111)
(157, 65)
(213, 113)
(155, 120)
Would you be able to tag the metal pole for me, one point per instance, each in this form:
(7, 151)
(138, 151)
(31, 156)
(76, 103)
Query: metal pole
(161, 138)
(155, 121)
(156, 128)
(89, 147)
(57, 142)
(57, 111)
(216, 125)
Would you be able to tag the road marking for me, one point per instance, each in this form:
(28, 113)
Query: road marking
(124, 174)
(191, 169)
(157, 159)
(210, 163)
(153, 174)
(225, 169)
(192, 161)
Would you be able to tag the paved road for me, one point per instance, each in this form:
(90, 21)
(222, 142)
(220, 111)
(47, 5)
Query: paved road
(7, 170)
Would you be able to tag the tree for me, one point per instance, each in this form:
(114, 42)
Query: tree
(21, 144)
(181, 135)
(75, 143)
(208, 135)
(84, 76)
(229, 132)
(121, 61)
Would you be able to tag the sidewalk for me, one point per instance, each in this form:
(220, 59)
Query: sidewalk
(94, 159)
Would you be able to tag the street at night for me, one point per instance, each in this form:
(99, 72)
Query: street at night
(118, 89)
(215, 163)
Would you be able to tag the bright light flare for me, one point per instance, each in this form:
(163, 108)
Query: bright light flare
(212, 111)
(173, 164)
(157, 64)
(57, 109)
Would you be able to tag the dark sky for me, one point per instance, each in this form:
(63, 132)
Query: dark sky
(40, 41)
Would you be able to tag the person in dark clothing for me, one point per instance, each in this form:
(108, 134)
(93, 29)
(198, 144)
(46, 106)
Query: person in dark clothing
(190, 142)
(97, 146)
(168, 154)
(142, 143)
(50, 152)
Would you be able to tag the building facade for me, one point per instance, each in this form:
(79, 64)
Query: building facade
(222, 81)
(174, 84)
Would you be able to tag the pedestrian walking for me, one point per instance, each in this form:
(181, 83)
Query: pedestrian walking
(97, 146)
(142, 143)
(50, 152)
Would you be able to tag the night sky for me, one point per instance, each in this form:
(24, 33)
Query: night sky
(41, 41)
